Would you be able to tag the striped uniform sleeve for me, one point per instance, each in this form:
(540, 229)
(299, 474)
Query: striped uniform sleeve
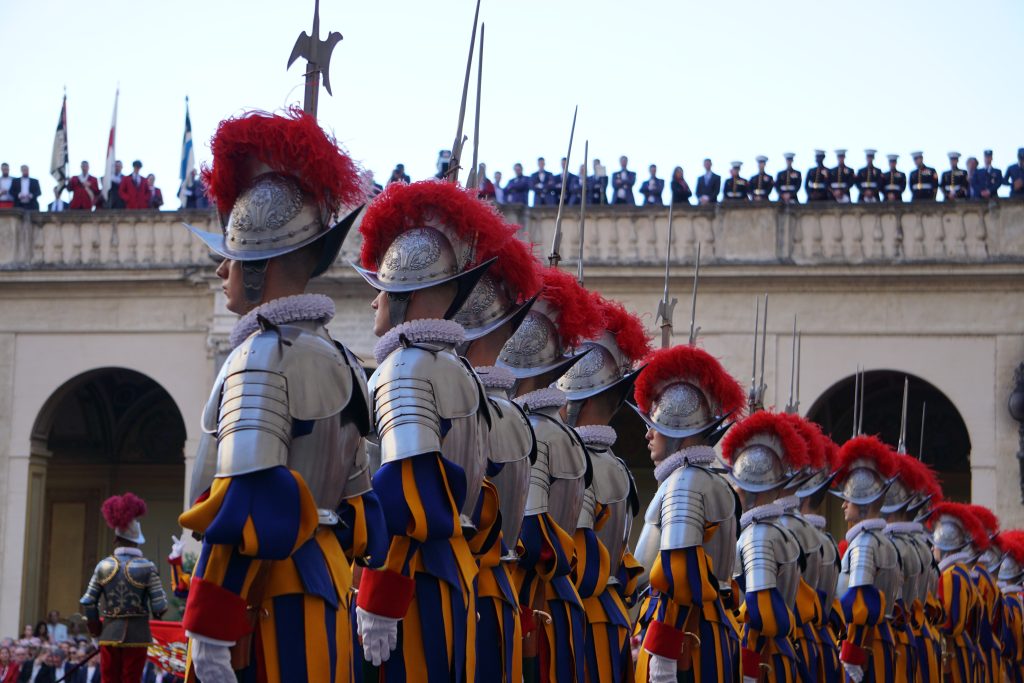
(240, 532)
(684, 576)
(956, 597)
(593, 566)
(421, 497)
(863, 608)
(362, 532)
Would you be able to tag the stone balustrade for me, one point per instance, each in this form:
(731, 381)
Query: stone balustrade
(972, 232)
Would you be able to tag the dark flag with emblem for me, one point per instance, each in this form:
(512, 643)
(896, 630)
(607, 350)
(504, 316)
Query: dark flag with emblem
(59, 158)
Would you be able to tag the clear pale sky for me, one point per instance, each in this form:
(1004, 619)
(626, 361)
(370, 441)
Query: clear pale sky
(667, 82)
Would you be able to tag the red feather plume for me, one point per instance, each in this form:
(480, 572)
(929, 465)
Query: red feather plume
(987, 518)
(579, 316)
(970, 521)
(766, 422)
(918, 477)
(831, 449)
(292, 144)
(843, 545)
(629, 332)
(692, 364)
(1012, 542)
(403, 207)
(813, 438)
(869, 448)
(119, 511)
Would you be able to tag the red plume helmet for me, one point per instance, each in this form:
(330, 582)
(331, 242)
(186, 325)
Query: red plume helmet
(871, 449)
(694, 365)
(968, 521)
(813, 438)
(629, 333)
(986, 517)
(578, 316)
(122, 513)
(765, 422)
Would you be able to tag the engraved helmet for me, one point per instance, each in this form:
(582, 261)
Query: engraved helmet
(508, 288)
(611, 363)
(867, 468)
(765, 452)
(422, 235)
(955, 528)
(992, 556)
(821, 478)
(277, 182)
(810, 478)
(122, 515)
(914, 487)
(548, 339)
(1011, 571)
(684, 391)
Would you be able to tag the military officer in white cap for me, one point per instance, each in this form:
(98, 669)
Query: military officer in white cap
(787, 182)
(868, 180)
(762, 183)
(955, 183)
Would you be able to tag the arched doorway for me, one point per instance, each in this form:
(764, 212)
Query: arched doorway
(106, 431)
(946, 446)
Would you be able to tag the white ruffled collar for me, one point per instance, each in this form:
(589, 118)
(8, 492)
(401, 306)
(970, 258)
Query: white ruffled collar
(447, 332)
(494, 377)
(903, 528)
(701, 455)
(287, 309)
(817, 521)
(131, 552)
(756, 514)
(1010, 588)
(548, 397)
(597, 435)
(788, 503)
(949, 560)
(873, 524)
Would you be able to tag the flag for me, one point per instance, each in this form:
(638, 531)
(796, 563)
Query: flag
(168, 649)
(59, 157)
(188, 160)
(108, 169)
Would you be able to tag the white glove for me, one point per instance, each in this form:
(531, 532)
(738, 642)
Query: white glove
(379, 635)
(748, 679)
(855, 672)
(661, 669)
(212, 659)
(177, 547)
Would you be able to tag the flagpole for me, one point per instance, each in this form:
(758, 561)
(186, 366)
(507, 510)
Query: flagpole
(108, 170)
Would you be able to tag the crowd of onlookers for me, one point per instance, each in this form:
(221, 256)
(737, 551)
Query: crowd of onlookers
(85, 192)
(52, 650)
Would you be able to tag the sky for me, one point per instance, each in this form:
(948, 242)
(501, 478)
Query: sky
(666, 82)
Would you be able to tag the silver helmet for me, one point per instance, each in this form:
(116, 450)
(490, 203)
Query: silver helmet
(949, 534)
(898, 498)
(1011, 571)
(867, 470)
(536, 347)
(759, 466)
(489, 306)
(766, 453)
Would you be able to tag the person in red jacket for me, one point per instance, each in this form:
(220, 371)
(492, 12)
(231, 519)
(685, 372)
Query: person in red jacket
(85, 190)
(134, 189)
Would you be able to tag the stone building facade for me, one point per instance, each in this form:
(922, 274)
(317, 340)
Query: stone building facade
(112, 326)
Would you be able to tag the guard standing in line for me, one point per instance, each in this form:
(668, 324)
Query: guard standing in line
(761, 184)
(924, 181)
(842, 177)
(894, 182)
(955, 183)
(817, 183)
(1015, 175)
(868, 180)
(787, 182)
(736, 188)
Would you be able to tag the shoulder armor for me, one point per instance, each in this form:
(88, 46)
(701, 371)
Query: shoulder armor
(764, 549)
(138, 571)
(867, 557)
(683, 513)
(806, 535)
(413, 390)
(106, 570)
(567, 457)
(611, 480)
(511, 437)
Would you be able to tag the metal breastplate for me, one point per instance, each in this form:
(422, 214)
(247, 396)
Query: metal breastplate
(510, 442)
(929, 581)
(427, 400)
(872, 559)
(911, 569)
(769, 557)
(125, 591)
(828, 575)
(556, 478)
(288, 396)
(610, 488)
(810, 544)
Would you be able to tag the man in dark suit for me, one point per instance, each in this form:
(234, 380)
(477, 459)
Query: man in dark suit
(541, 183)
(153, 674)
(88, 672)
(987, 179)
(26, 191)
(57, 204)
(597, 185)
(517, 191)
(134, 189)
(622, 184)
(113, 199)
(42, 669)
(1015, 175)
(556, 186)
(708, 185)
(787, 182)
(652, 188)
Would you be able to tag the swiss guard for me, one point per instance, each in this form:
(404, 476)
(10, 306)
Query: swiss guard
(543, 349)
(767, 456)
(596, 388)
(688, 543)
(281, 490)
(128, 586)
(417, 614)
(1011, 576)
(870, 578)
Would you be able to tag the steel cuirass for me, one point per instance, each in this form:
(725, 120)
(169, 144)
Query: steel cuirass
(557, 475)
(872, 560)
(911, 569)
(289, 396)
(427, 400)
(810, 544)
(828, 574)
(610, 488)
(511, 443)
(769, 558)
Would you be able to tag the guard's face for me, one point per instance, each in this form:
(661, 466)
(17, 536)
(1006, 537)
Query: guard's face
(657, 445)
(381, 314)
(852, 513)
(230, 273)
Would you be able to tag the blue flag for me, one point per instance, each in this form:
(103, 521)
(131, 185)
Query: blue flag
(188, 161)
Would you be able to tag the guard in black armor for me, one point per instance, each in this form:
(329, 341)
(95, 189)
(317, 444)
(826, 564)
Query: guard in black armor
(123, 592)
